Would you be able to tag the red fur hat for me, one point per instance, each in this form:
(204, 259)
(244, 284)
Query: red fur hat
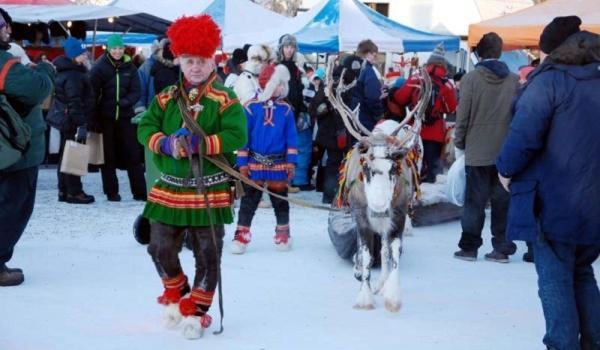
(196, 36)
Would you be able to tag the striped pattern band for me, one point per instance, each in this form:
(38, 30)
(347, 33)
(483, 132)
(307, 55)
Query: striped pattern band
(155, 141)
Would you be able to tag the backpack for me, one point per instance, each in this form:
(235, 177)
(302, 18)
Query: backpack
(431, 113)
(15, 134)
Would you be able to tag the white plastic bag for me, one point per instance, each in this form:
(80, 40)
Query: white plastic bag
(457, 182)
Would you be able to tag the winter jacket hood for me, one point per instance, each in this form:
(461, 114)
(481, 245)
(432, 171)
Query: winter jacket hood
(493, 71)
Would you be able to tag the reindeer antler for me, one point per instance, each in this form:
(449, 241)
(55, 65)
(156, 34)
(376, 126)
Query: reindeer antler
(349, 116)
(419, 110)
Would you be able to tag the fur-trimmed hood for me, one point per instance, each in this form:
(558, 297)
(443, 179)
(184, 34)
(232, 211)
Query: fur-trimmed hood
(270, 78)
(257, 56)
(579, 49)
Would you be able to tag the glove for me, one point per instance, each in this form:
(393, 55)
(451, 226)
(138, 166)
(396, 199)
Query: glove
(291, 171)
(170, 146)
(245, 171)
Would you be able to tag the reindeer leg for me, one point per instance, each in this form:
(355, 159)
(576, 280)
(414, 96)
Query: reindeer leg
(385, 263)
(364, 260)
(391, 289)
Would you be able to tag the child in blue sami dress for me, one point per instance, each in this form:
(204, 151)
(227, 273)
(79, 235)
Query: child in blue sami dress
(269, 157)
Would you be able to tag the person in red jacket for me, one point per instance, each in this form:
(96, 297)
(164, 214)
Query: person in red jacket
(443, 101)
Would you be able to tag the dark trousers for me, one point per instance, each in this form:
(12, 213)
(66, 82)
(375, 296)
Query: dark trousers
(121, 150)
(17, 196)
(432, 163)
(166, 242)
(483, 185)
(569, 293)
(330, 183)
(67, 184)
(250, 202)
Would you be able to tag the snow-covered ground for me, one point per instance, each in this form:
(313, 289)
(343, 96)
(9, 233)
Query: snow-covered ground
(89, 285)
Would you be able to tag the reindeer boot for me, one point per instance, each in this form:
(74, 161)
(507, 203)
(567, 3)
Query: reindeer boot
(241, 239)
(175, 289)
(194, 309)
(283, 241)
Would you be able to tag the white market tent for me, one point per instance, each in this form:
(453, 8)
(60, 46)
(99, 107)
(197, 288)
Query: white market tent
(106, 18)
(232, 16)
(339, 25)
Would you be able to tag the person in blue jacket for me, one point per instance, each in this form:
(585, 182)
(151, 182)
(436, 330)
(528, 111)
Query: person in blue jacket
(368, 86)
(549, 164)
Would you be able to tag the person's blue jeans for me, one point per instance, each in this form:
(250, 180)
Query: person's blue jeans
(569, 294)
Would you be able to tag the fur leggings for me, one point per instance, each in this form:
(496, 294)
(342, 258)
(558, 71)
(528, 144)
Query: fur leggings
(166, 242)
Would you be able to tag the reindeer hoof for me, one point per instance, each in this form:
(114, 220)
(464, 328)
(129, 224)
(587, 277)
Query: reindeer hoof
(364, 307)
(393, 306)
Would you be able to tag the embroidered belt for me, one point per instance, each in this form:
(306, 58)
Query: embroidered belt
(266, 159)
(209, 180)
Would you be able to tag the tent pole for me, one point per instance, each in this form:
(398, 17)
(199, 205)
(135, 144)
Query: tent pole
(94, 41)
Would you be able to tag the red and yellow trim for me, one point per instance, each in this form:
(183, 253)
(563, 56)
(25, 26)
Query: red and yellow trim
(189, 200)
(175, 282)
(228, 104)
(275, 167)
(155, 141)
(292, 151)
(213, 144)
(163, 99)
(202, 297)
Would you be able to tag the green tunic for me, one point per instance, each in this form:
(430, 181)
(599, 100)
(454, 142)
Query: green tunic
(222, 118)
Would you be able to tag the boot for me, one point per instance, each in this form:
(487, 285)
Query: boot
(81, 198)
(194, 309)
(241, 239)
(113, 197)
(10, 277)
(175, 289)
(283, 241)
(62, 197)
(496, 256)
(466, 255)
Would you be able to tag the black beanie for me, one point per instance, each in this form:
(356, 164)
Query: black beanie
(239, 56)
(557, 31)
(490, 46)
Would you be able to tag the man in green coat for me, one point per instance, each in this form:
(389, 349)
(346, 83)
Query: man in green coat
(25, 89)
(174, 204)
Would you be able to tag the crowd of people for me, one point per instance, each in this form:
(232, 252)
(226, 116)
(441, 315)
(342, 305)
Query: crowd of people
(526, 140)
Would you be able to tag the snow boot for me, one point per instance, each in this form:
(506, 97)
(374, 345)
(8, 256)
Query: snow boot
(241, 239)
(466, 255)
(10, 277)
(195, 309)
(283, 241)
(496, 256)
(175, 289)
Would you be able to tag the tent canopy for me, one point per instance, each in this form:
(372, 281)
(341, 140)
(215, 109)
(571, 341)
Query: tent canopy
(109, 18)
(339, 25)
(522, 29)
(232, 16)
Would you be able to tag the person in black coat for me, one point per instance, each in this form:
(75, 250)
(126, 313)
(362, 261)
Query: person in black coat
(164, 71)
(117, 87)
(71, 109)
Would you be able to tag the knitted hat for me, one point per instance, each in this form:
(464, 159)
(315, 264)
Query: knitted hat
(490, 46)
(73, 47)
(557, 31)
(287, 40)
(270, 77)
(239, 57)
(319, 73)
(437, 56)
(195, 36)
(115, 40)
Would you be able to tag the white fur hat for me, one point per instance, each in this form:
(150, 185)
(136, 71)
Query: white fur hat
(270, 77)
(257, 56)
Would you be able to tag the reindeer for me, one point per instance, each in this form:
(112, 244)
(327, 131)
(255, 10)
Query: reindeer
(380, 176)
